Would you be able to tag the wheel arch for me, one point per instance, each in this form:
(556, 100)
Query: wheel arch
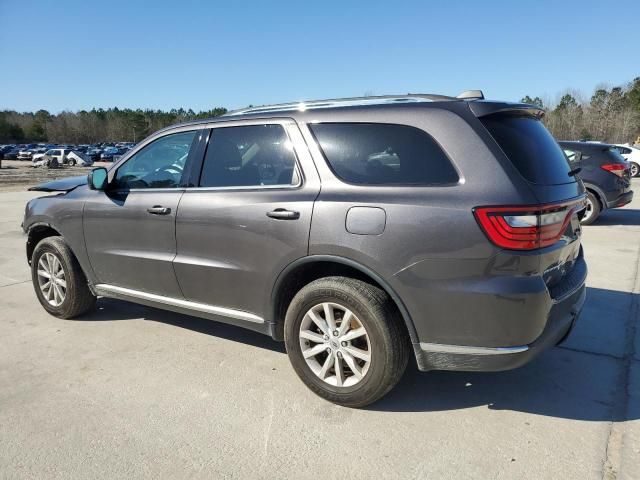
(306, 269)
(598, 193)
(36, 233)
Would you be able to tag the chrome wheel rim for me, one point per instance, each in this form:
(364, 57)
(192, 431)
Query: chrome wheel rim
(588, 211)
(51, 279)
(634, 170)
(335, 345)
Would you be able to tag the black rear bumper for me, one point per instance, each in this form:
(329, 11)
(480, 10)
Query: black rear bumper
(622, 200)
(561, 319)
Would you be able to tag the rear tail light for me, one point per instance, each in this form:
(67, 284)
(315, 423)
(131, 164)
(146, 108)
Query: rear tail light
(615, 168)
(526, 227)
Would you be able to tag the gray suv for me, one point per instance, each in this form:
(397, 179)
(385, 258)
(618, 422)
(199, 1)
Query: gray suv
(356, 230)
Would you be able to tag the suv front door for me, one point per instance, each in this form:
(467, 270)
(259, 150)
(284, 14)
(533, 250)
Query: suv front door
(130, 228)
(248, 218)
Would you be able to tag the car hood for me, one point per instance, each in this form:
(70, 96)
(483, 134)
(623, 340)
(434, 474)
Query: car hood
(61, 185)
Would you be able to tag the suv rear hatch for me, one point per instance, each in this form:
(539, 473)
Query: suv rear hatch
(550, 228)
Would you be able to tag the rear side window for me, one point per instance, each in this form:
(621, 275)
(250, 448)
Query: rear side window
(249, 156)
(383, 154)
(530, 147)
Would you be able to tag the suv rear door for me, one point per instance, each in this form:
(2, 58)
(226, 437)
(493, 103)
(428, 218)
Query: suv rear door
(248, 217)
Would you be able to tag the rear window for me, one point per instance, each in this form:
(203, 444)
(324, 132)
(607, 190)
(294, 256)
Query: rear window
(530, 147)
(383, 154)
(615, 155)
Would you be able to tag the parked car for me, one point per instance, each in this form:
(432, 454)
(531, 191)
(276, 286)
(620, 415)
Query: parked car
(60, 154)
(605, 173)
(5, 149)
(12, 154)
(93, 154)
(632, 155)
(108, 153)
(462, 246)
(26, 153)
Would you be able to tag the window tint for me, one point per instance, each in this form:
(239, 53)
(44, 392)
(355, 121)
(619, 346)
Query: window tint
(158, 165)
(253, 155)
(383, 154)
(530, 147)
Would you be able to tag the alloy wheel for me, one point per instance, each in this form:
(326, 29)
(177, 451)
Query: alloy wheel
(51, 279)
(335, 344)
(588, 210)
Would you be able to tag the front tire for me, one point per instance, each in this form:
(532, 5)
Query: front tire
(346, 341)
(635, 169)
(58, 280)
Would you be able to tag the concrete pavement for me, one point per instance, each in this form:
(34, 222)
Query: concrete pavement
(135, 392)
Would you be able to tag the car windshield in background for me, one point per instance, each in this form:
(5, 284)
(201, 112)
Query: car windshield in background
(530, 147)
(384, 154)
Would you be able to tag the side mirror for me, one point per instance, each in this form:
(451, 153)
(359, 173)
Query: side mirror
(97, 178)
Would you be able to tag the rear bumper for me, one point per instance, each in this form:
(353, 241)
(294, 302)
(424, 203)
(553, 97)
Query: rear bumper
(561, 319)
(622, 200)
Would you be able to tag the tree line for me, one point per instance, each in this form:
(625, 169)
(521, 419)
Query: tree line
(611, 114)
(94, 126)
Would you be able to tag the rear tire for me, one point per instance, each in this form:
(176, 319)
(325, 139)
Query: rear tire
(374, 334)
(58, 280)
(593, 209)
(72, 163)
(635, 169)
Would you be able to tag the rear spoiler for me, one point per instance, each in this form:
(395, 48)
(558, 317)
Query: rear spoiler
(482, 109)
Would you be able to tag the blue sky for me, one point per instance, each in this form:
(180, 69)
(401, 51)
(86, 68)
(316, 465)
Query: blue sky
(71, 54)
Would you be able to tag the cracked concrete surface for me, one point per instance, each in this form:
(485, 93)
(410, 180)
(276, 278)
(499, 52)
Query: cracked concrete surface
(135, 392)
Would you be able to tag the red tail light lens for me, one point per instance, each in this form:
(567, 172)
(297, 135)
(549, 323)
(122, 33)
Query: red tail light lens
(526, 227)
(615, 168)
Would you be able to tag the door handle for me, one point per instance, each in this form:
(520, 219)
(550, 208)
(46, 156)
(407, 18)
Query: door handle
(158, 210)
(283, 214)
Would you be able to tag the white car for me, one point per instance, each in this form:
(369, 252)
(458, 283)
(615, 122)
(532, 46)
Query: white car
(60, 154)
(631, 155)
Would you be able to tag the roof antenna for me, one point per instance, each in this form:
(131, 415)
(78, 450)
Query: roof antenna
(471, 95)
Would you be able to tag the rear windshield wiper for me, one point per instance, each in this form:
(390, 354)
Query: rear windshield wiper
(575, 171)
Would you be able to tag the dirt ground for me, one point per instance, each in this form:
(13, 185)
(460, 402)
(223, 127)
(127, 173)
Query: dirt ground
(18, 175)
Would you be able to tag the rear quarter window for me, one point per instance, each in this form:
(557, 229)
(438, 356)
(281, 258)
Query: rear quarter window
(530, 148)
(383, 154)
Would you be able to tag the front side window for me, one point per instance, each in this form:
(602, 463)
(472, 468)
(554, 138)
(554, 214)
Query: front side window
(249, 156)
(158, 165)
(383, 154)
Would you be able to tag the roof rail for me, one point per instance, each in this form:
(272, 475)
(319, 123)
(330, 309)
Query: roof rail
(340, 102)
(471, 95)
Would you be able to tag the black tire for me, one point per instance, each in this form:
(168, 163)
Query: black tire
(594, 204)
(78, 297)
(389, 342)
(72, 163)
(635, 169)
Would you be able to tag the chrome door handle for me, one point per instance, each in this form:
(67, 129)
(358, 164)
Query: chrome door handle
(158, 210)
(283, 214)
